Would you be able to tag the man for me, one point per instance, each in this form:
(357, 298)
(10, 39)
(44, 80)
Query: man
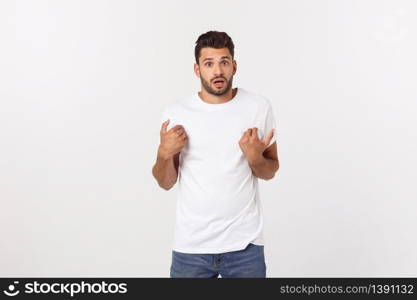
(220, 141)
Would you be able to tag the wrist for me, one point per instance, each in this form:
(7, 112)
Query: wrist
(255, 160)
(163, 154)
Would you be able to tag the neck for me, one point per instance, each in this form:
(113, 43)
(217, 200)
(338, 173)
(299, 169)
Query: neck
(213, 99)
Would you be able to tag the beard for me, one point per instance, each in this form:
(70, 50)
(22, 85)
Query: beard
(215, 91)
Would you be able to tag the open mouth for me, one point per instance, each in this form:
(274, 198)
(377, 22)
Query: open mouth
(218, 83)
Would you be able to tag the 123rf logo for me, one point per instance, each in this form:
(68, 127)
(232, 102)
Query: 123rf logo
(70, 289)
(11, 289)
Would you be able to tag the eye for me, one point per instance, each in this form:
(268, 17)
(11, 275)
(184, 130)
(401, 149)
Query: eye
(225, 62)
(208, 64)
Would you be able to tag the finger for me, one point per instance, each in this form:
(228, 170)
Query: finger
(268, 138)
(250, 132)
(164, 126)
(246, 136)
(175, 128)
(255, 132)
(179, 131)
(246, 133)
(183, 136)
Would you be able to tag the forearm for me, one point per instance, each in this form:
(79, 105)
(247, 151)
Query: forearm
(264, 168)
(164, 171)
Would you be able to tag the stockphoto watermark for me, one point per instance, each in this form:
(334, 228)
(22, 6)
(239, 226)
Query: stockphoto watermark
(71, 289)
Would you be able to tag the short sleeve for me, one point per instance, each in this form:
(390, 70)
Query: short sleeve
(269, 123)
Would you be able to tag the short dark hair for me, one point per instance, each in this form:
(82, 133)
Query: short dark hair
(213, 39)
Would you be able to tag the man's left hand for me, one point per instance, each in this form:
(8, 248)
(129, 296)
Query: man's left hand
(251, 146)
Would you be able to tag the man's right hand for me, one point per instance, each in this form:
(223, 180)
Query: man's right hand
(172, 141)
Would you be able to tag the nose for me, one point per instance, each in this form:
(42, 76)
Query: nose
(218, 71)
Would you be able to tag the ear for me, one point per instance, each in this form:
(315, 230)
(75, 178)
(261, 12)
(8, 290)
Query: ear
(234, 67)
(197, 70)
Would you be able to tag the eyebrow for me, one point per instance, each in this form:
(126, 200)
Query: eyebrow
(210, 58)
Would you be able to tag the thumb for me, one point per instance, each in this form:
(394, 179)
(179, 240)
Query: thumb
(164, 126)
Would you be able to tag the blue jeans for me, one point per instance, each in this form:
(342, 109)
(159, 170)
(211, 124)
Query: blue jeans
(249, 263)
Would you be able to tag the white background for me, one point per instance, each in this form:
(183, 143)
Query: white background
(82, 86)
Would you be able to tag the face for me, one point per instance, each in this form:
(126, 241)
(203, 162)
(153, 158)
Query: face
(216, 65)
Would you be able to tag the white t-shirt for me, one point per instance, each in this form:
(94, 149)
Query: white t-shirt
(218, 206)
